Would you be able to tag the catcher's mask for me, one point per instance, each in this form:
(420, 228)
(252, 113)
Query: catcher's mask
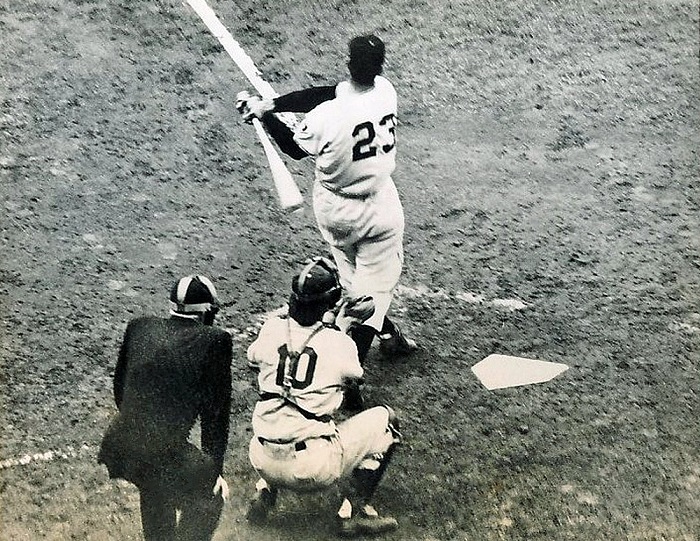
(194, 296)
(314, 290)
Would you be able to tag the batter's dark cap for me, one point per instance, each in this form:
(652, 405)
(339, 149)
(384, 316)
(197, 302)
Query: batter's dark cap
(367, 49)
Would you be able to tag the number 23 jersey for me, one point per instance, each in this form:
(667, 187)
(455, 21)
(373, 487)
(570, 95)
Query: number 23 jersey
(303, 401)
(353, 138)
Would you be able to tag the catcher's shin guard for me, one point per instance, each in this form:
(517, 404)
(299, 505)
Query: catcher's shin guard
(369, 473)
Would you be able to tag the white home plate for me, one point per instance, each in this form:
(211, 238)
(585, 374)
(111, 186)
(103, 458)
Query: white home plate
(501, 371)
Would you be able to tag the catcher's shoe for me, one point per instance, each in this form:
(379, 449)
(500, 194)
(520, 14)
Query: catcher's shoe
(363, 524)
(261, 504)
(395, 344)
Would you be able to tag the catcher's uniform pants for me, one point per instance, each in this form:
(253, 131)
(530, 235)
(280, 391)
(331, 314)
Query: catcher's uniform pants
(366, 240)
(317, 463)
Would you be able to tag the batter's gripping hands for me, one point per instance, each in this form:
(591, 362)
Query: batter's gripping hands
(252, 106)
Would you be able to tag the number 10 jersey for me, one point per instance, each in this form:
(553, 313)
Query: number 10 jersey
(301, 375)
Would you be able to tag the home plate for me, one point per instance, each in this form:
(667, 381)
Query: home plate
(501, 371)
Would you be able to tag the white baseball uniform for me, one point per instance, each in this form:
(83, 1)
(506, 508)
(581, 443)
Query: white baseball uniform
(355, 201)
(296, 442)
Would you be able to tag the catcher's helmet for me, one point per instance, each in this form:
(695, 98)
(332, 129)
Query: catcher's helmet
(193, 295)
(314, 290)
(366, 58)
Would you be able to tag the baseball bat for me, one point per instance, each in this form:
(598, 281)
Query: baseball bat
(290, 197)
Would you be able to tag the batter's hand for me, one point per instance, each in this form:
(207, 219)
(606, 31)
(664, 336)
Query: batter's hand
(243, 99)
(259, 107)
(221, 487)
(252, 106)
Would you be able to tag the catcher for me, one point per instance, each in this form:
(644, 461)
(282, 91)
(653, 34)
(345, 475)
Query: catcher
(303, 365)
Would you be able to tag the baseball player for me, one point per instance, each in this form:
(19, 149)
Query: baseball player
(303, 366)
(350, 129)
(169, 373)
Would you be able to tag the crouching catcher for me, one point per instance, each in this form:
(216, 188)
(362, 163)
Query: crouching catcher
(303, 367)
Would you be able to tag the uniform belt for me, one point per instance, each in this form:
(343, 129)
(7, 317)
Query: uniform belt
(298, 445)
(360, 196)
(347, 195)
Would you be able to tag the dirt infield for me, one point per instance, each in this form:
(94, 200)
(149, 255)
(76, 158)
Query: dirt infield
(548, 164)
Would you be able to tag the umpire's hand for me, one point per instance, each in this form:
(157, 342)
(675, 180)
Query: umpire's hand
(221, 487)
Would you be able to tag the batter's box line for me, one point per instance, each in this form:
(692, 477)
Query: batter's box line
(47, 456)
(402, 292)
(423, 292)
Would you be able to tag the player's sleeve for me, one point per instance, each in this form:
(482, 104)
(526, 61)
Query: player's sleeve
(261, 347)
(303, 101)
(308, 135)
(217, 403)
(349, 362)
(120, 369)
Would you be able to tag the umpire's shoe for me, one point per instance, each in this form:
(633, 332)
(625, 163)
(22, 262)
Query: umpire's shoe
(395, 344)
(364, 524)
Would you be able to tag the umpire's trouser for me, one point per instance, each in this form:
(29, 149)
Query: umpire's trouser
(174, 476)
(184, 483)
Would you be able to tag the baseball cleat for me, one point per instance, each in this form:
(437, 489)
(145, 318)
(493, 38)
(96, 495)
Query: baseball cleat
(396, 344)
(261, 504)
(362, 524)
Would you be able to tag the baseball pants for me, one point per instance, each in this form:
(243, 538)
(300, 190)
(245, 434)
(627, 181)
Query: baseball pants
(320, 462)
(366, 241)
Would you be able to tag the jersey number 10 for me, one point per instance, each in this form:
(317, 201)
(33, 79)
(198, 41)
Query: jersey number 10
(288, 368)
(365, 146)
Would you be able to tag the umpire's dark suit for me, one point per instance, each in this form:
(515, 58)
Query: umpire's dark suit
(169, 372)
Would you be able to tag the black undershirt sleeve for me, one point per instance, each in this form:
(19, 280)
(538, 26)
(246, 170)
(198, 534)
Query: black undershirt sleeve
(283, 136)
(302, 101)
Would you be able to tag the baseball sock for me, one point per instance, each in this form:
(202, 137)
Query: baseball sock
(388, 328)
(363, 335)
(367, 480)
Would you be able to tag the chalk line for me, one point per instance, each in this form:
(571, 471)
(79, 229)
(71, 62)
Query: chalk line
(421, 291)
(46, 456)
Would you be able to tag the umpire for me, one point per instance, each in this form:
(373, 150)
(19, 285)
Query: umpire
(169, 373)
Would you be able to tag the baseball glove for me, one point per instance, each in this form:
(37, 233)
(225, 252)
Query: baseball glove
(358, 309)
